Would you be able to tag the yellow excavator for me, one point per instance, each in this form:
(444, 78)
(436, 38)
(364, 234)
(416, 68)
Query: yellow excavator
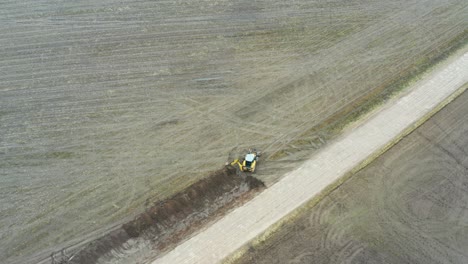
(249, 162)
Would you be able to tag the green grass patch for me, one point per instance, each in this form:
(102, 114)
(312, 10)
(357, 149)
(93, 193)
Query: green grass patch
(59, 155)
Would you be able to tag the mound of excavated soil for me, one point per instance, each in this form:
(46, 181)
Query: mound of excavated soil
(168, 221)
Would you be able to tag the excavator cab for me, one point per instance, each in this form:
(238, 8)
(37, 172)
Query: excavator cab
(250, 161)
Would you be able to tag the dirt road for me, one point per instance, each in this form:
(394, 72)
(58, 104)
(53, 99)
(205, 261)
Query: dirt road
(245, 223)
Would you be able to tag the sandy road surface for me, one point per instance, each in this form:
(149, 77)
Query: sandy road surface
(245, 223)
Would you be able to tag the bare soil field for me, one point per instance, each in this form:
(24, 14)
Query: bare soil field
(168, 221)
(408, 206)
(108, 106)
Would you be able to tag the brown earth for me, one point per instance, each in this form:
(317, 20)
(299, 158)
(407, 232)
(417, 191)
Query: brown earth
(168, 221)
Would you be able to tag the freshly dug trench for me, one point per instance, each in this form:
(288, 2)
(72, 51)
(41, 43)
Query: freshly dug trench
(169, 221)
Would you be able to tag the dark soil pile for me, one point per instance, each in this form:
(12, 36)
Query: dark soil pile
(169, 221)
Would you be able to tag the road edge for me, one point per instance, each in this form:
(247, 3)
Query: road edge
(347, 175)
